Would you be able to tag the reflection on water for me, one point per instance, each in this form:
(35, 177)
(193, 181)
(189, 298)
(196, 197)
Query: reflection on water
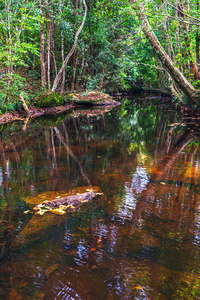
(139, 240)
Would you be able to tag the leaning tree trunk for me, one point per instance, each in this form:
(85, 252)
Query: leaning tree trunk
(59, 76)
(182, 83)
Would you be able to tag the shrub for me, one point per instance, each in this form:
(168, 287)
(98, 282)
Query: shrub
(49, 99)
(11, 85)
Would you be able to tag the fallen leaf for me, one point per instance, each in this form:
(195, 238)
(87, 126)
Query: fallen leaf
(195, 233)
(40, 296)
(94, 267)
(36, 208)
(64, 207)
(58, 211)
(24, 284)
(10, 226)
(41, 205)
(26, 211)
(93, 249)
(73, 252)
(162, 183)
(41, 211)
(85, 230)
(138, 287)
(51, 270)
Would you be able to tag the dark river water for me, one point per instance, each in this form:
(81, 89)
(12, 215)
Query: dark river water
(139, 238)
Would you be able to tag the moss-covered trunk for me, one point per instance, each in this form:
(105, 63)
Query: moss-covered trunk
(182, 83)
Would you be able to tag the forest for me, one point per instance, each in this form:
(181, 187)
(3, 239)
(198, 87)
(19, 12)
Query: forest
(108, 46)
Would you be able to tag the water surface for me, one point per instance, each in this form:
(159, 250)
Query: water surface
(139, 240)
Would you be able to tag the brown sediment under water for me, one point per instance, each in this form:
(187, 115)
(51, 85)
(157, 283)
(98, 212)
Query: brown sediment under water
(139, 238)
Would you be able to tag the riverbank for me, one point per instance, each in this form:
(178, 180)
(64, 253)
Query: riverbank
(86, 99)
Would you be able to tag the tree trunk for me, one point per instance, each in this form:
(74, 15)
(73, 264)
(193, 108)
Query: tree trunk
(42, 48)
(59, 76)
(189, 51)
(198, 40)
(53, 59)
(198, 48)
(74, 61)
(48, 48)
(62, 54)
(63, 59)
(74, 56)
(182, 83)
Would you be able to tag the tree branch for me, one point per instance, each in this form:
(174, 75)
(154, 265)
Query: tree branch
(58, 77)
(21, 98)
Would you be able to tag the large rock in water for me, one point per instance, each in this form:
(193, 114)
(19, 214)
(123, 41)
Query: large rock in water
(52, 212)
(93, 99)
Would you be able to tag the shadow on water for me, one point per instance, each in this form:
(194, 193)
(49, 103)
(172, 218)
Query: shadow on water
(139, 240)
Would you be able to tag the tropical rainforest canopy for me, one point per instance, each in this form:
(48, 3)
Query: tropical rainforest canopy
(107, 45)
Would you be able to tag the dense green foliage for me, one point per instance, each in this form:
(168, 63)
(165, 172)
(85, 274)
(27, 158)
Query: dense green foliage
(49, 100)
(112, 53)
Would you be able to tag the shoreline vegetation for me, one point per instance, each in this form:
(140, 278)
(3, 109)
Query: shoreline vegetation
(86, 102)
(52, 103)
(108, 46)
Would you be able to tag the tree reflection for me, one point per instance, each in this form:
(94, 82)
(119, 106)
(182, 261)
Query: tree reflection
(141, 240)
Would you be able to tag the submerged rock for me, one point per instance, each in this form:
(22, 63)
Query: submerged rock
(36, 228)
(56, 195)
(74, 200)
(51, 212)
(62, 205)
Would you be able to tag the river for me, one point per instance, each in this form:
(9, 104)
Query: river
(138, 239)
